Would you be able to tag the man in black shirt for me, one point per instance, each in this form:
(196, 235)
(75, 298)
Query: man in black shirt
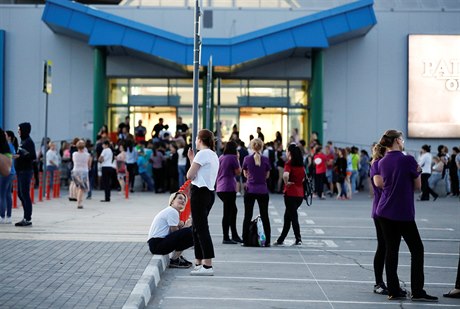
(181, 129)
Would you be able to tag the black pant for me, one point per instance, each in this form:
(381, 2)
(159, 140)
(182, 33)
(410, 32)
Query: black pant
(426, 190)
(106, 180)
(249, 201)
(131, 167)
(176, 241)
(201, 201)
(24, 178)
(292, 203)
(454, 189)
(230, 212)
(319, 183)
(379, 257)
(392, 232)
(158, 178)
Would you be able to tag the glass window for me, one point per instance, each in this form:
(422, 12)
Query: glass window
(228, 118)
(298, 93)
(183, 89)
(268, 93)
(230, 91)
(118, 91)
(296, 124)
(150, 115)
(116, 116)
(269, 120)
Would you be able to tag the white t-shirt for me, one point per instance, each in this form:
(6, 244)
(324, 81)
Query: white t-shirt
(181, 160)
(80, 161)
(107, 154)
(207, 174)
(425, 162)
(51, 155)
(162, 221)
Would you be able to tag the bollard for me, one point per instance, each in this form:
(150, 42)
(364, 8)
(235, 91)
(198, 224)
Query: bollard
(15, 192)
(48, 186)
(55, 183)
(32, 190)
(58, 190)
(40, 188)
(127, 185)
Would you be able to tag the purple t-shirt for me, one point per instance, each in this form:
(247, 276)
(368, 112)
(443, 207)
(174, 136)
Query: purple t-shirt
(226, 181)
(398, 172)
(257, 182)
(377, 191)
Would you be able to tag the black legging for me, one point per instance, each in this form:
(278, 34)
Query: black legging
(201, 201)
(249, 201)
(230, 212)
(106, 180)
(175, 241)
(392, 232)
(131, 167)
(426, 190)
(379, 257)
(319, 183)
(292, 203)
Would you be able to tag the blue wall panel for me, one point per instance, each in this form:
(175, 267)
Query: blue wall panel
(82, 23)
(138, 40)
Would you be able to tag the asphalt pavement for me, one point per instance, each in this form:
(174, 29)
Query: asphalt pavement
(96, 257)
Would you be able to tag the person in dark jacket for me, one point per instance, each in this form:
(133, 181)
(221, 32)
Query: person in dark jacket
(24, 170)
(5, 155)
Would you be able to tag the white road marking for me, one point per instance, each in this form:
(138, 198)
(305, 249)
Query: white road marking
(302, 214)
(274, 213)
(277, 221)
(308, 301)
(309, 221)
(318, 231)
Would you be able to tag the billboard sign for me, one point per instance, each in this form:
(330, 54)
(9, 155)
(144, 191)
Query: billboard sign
(434, 86)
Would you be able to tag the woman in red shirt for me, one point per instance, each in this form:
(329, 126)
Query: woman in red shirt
(293, 176)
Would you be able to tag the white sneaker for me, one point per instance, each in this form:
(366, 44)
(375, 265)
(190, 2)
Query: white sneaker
(201, 271)
(2, 220)
(8, 220)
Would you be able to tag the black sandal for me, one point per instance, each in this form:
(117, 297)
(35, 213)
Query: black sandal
(455, 293)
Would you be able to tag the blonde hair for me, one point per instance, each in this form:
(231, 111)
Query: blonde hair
(257, 145)
(173, 196)
(81, 144)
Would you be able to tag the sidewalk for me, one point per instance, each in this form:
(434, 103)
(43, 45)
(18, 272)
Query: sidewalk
(94, 257)
(77, 258)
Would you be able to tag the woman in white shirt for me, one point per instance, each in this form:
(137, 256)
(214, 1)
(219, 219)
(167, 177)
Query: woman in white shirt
(203, 173)
(52, 162)
(81, 164)
(106, 159)
(425, 161)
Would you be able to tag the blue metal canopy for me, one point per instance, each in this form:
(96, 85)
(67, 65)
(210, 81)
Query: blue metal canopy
(319, 30)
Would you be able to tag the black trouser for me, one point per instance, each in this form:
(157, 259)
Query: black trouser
(24, 178)
(106, 179)
(249, 201)
(230, 212)
(379, 257)
(454, 189)
(201, 201)
(319, 183)
(392, 232)
(176, 241)
(426, 190)
(292, 203)
(131, 167)
(158, 179)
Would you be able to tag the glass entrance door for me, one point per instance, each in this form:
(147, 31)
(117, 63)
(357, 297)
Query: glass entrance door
(269, 120)
(150, 115)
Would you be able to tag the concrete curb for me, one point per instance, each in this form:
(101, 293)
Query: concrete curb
(145, 287)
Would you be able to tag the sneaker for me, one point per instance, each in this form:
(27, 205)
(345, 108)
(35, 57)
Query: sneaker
(71, 199)
(178, 263)
(397, 297)
(424, 297)
(237, 239)
(229, 242)
(381, 289)
(184, 260)
(80, 207)
(278, 243)
(298, 243)
(8, 220)
(23, 222)
(201, 271)
(2, 220)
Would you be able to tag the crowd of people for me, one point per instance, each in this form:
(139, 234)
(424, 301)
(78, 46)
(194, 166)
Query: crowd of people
(166, 161)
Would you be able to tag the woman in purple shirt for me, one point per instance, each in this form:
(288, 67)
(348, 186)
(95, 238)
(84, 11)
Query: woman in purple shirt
(256, 169)
(229, 167)
(379, 258)
(398, 175)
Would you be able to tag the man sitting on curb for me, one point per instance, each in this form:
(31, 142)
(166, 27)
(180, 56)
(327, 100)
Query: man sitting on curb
(168, 233)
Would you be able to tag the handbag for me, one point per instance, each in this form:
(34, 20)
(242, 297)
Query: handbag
(256, 234)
